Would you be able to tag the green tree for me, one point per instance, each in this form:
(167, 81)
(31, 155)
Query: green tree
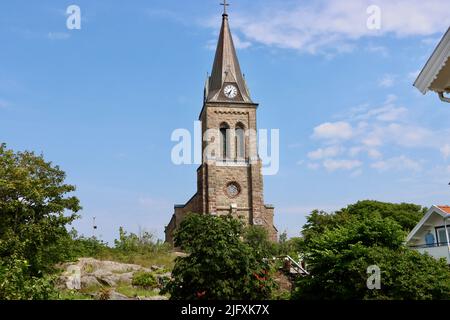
(407, 215)
(258, 239)
(219, 265)
(338, 259)
(34, 211)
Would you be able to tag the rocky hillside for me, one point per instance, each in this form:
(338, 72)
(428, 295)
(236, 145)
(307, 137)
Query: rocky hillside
(89, 278)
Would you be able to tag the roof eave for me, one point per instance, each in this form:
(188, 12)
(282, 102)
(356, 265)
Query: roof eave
(434, 64)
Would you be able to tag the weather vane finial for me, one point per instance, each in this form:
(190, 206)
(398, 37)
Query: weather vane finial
(225, 5)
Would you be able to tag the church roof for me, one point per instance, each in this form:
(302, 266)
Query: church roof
(226, 67)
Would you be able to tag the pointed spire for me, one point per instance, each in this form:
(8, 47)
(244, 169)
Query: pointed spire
(226, 67)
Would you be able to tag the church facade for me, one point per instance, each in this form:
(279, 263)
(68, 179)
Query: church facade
(229, 180)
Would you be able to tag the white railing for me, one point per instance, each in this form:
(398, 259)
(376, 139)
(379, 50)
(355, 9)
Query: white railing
(296, 266)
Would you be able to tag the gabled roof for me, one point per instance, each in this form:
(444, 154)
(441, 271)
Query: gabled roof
(446, 209)
(226, 66)
(435, 64)
(443, 211)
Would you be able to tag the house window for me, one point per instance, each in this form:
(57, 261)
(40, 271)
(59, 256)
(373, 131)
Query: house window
(441, 236)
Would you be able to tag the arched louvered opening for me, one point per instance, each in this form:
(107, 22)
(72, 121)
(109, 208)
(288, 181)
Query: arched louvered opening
(240, 141)
(224, 140)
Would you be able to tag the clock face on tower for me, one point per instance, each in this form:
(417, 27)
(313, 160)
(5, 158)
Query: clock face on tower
(230, 91)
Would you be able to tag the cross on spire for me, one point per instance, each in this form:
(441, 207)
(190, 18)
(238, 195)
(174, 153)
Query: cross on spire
(225, 5)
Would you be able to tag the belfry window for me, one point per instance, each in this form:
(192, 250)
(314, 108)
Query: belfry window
(240, 142)
(224, 143)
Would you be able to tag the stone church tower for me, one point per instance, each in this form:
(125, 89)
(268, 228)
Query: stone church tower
(229, 180)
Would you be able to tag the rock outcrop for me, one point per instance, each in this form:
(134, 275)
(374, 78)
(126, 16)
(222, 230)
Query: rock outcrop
(92, 273)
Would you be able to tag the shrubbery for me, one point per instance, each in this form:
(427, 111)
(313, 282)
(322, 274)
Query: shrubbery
(219, 265)
(340, 247)
(146, 280)
(34, 211)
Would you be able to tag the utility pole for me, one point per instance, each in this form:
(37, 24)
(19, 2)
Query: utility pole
(94, 227)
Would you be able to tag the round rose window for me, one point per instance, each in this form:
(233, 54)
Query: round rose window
(233, 189)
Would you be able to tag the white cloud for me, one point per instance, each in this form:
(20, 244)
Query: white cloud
(333, 25)
(313, 166)
(356, 173)
(58, 35)
(333, 131)
(387, 112)
(381, 50)
(241, 44)
(431, 42)
(387, 81)
(371, 152)
(391, 113)
(374, 153)
(238, 43)
(366, 133)
(343, 164)
(322, 153)
(397, 163)
(445, 150)
(408, 135)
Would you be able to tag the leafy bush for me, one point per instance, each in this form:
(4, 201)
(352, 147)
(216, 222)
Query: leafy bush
(258, 239)
(35, 210)
(140, 249)
(16, 284)
(80, 246)
(339, 255)
(145, 280)
(219, 265)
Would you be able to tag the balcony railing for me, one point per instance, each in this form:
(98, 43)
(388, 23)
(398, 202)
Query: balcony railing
(433, 245)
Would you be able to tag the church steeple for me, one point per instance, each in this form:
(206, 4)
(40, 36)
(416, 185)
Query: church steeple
(226, 69)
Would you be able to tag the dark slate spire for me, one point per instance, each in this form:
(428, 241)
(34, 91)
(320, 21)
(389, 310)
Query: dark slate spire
(226, 67)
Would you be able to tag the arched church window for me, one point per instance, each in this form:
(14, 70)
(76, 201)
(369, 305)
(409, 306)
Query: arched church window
(240, 141)
(224, 143)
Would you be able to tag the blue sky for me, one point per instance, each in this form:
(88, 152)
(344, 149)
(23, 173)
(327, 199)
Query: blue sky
(102, 101)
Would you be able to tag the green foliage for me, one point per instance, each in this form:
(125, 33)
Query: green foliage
(407, 215)
(287, 246)
(133, 292)
(339, 254)
(73, 295)
(258, 239)
(17, 284)
(219, 265)
(80, 246)
(146, 280)
(141, 249)
(34, 213)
